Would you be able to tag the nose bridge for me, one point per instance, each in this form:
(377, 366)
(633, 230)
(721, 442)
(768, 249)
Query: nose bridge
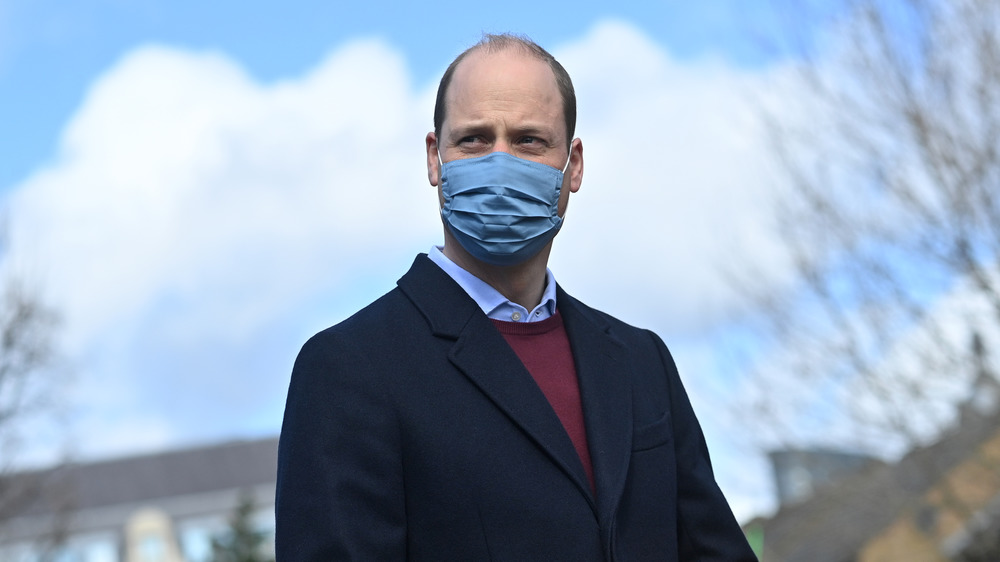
(503, 137)
(502, 144)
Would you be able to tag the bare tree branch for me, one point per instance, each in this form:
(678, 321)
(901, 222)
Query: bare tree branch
(891, 224)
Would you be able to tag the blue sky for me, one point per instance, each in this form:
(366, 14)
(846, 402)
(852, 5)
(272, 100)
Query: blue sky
(198, 187)
(51, 50)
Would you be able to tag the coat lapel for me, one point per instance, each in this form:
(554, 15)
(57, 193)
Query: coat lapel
(486, 359)
(602, 367)
(482, 355)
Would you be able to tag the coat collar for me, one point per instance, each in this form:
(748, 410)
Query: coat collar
(602, 365)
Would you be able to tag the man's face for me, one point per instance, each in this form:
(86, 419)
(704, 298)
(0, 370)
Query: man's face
(509, 102)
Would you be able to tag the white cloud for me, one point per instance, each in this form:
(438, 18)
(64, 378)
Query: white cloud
(182, 180)
(189, 205)
(196, 225)
(675, 188)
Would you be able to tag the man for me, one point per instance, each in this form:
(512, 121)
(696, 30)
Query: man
(477, 411)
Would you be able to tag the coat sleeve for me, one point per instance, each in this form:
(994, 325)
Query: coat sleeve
(340, 485)
(706, 527)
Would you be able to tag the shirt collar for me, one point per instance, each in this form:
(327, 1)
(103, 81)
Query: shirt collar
(493, 304)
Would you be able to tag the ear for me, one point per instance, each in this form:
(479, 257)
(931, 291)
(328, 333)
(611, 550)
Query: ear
(433, 164)
(575, 165)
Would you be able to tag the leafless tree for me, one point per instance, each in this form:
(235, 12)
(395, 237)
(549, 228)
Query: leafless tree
(27, 356)
(889, 139)
(30, 370)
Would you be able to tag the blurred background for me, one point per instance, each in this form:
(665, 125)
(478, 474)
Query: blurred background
(801, 198)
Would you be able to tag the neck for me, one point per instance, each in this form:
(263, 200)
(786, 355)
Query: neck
(523, 283)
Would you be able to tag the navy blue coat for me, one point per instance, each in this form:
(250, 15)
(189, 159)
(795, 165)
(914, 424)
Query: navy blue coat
(413, 432)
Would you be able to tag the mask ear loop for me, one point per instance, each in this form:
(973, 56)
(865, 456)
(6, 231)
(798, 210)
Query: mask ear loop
(440, 163)
(568, 157)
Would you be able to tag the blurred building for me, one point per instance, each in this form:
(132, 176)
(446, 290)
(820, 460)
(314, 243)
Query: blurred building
(940, 502)
(799, 472)
(164, 507)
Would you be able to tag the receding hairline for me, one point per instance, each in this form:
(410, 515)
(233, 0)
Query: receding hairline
(508, 42)
(503, 42)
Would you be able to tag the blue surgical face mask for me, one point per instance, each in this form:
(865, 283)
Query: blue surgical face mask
(500, 208)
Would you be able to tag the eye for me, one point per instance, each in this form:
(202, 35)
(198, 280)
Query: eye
(532, 145)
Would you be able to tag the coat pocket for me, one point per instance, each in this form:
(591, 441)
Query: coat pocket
(652, 435)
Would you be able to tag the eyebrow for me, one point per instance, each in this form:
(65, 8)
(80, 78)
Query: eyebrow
(487, 126)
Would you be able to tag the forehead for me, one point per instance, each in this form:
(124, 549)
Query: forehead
(508, 83)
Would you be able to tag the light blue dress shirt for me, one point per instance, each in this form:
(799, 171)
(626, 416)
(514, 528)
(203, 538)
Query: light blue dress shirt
(495, 305)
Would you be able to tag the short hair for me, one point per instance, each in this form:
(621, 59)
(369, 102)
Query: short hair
(501, 42)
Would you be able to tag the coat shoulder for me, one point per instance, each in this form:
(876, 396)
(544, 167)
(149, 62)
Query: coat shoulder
(373, 319)
(629, 334)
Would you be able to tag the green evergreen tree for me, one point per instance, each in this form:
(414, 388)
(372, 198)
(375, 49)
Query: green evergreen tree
(243, 542)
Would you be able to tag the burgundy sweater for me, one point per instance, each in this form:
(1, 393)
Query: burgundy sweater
(544, 349)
